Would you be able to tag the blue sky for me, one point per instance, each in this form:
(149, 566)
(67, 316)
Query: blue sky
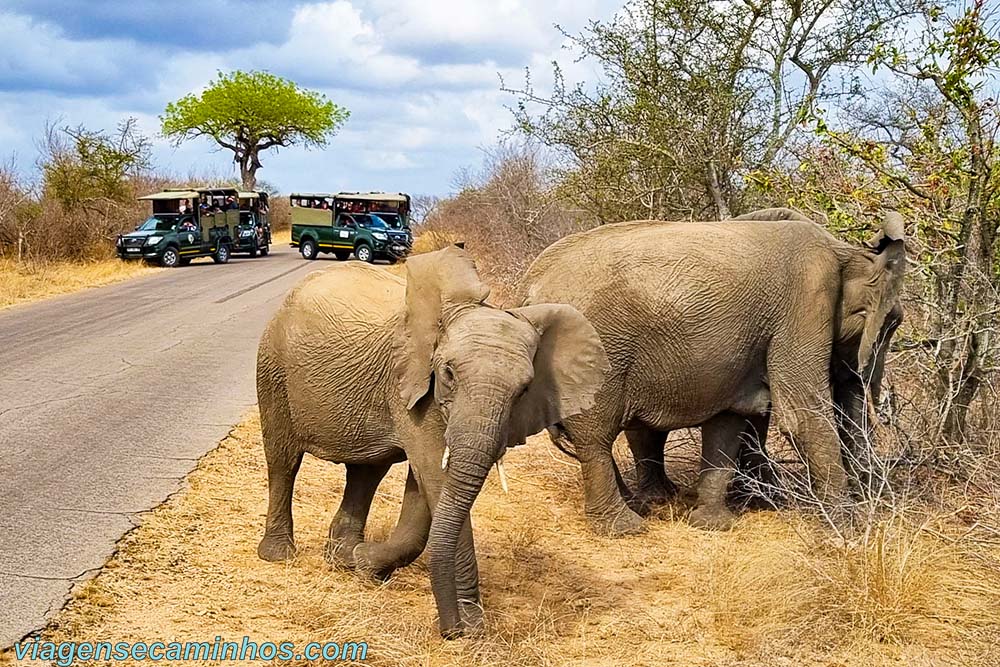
(419, 77)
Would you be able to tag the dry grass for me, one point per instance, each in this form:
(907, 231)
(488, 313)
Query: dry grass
(22, 282)
(774, 591)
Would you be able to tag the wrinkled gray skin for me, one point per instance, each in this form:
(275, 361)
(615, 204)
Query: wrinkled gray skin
(712, 324)
(363, 368)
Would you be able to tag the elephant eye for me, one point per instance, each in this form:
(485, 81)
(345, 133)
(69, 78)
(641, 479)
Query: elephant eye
(447, 375)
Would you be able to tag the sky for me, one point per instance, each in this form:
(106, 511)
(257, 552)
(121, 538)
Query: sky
(421, 78)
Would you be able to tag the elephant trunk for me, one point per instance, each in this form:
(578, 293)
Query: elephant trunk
(474, 447)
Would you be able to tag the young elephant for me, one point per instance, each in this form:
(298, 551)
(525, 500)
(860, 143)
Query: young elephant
(362, 368)
(709, 324)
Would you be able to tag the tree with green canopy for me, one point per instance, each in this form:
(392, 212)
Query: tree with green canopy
(252, 112)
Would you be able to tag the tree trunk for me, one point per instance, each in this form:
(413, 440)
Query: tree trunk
(715, 190)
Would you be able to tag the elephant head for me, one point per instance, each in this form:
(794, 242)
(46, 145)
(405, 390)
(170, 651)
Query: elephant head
(496, 376)
(870, 309)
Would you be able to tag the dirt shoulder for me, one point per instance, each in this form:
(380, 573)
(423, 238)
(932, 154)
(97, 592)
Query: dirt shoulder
(24, 282)
(768, 593)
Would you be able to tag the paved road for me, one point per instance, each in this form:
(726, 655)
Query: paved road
(107, 399)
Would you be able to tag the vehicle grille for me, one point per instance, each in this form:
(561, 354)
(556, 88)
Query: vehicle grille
(133, 242)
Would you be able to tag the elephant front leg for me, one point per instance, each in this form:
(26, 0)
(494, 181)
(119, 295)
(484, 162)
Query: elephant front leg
(803, 405)
(720, 444)
(757, 485)
(653, 485)
(407, 541)
(348, 527)
(282, 467)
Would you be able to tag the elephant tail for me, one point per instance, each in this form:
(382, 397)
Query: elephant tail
(560, 438)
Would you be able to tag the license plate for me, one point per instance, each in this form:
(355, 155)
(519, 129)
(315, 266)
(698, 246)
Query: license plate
(131, 249)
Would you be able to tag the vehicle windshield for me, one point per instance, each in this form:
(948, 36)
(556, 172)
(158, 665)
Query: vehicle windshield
(155, 224)
(372, 222)
(391, 219)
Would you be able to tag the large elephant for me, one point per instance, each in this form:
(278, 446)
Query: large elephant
(713, 324)
(363, 368)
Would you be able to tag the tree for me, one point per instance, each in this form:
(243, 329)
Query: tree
(90, 169)
(694, 95)
(934, 136)
(249, 113)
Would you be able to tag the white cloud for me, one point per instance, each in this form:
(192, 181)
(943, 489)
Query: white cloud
(420, 79)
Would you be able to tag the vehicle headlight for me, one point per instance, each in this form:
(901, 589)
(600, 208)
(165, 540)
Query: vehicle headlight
(380, 236)
(153, 240)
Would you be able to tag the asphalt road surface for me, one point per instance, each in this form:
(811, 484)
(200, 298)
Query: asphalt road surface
(107, 399)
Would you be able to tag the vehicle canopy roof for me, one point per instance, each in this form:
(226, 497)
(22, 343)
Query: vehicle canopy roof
(395, 197)
(189, 193)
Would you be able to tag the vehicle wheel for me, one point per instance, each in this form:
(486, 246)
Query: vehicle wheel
(221, 255)
(171, 258)
(392, 259)
(185, 261)
(364, 253)
(265, 251)
(253, 252)
(308, 249)
(341, 254)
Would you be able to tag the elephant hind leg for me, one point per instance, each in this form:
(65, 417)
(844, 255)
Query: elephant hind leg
(348, 527)
(653, 485)
(407, 541)
(607, 512)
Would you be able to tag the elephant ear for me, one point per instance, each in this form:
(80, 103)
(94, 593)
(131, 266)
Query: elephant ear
(570, 365)
(884, 285)
(437, 283)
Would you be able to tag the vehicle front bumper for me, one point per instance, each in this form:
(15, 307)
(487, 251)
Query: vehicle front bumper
(139, 252)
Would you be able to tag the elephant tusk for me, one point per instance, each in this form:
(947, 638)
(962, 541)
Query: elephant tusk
(503, 474)
(444, 459)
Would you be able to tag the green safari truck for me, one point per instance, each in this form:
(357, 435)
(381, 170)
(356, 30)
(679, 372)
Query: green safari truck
(253, 234)
(371, 225)
(185, 224)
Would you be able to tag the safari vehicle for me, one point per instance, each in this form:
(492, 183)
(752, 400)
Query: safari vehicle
(372, 225)
(253, 234)
(185, 224)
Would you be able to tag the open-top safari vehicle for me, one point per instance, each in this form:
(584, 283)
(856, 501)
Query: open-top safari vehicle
(372, 225)
(253, 234)
(186, 223)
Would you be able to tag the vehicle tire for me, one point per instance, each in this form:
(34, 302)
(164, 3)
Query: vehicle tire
(221, 255)
(265, 251)
(185, 261)
(171, 258)
(392, 259)
(341, 254)
(364, 253)
(308, 249)
(253, 252)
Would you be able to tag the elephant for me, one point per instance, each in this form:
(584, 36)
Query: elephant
(361, 367)
(713, 324)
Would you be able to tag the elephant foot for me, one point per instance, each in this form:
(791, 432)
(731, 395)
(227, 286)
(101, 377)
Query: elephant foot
(617, 524)
(650, 496)
(471, 613)
(712, 518)
(340, 553)
(367, 564)
(275, 549)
